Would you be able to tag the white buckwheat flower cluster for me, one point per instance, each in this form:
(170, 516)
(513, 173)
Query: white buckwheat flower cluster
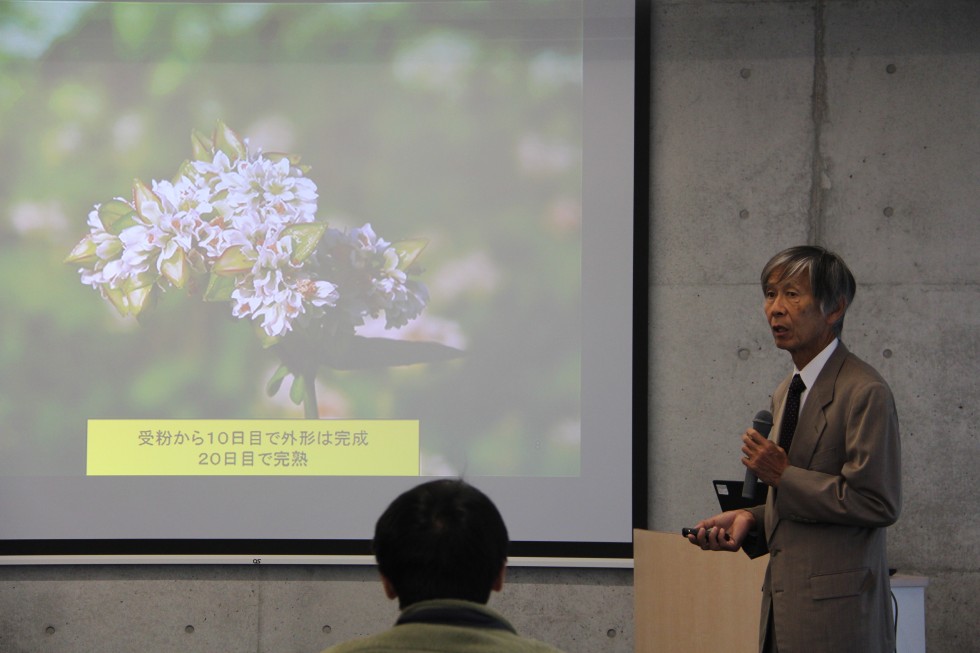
(245, 222)
(372, 273)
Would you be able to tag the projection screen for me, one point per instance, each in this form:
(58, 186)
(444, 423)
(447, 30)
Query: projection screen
(268, 264)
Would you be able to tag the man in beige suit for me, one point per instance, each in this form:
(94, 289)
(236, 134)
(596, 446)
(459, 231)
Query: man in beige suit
(835, 484)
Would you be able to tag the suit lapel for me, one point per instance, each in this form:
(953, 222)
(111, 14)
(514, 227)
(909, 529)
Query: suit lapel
(810, 425)
(813, 420)
(778, 407)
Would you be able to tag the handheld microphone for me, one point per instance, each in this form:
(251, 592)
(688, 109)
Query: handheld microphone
(762, 422)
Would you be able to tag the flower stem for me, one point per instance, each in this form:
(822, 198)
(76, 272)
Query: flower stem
(310, 408)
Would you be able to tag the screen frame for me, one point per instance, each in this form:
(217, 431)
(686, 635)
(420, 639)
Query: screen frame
(521, 552)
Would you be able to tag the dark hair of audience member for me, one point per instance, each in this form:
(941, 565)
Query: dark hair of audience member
(443, 539)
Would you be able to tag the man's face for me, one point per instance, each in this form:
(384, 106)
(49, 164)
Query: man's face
(794, 316)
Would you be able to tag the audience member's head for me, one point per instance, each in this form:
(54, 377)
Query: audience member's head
(442, 539)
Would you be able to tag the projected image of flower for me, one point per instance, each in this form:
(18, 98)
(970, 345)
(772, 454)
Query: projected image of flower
(241, 227)
(289, 210)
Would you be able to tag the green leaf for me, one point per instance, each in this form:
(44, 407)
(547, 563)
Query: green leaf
(265, 339)
(228, 142)
(143, 196)
(276, 157)
(112, 212)
(219, 288)
(83, 253)
(185, 169)
(360, 353)
(272, 387)
(123, 223)
(298, 390)
(408, 251)
(144, 279)
(117, 298)
(305, 238)
(138, 298)
(176, 269)
(128, 301)
(233, 262)
(198, 264)
(201, 146)
(217, 198)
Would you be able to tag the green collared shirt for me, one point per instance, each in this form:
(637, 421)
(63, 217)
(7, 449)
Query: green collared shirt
(446, 626)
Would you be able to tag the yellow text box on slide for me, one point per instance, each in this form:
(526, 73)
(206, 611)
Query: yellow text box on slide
(274, 447)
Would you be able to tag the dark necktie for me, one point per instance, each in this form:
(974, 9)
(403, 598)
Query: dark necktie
(791, 413)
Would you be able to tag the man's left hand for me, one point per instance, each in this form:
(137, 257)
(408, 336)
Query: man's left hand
(764, 457)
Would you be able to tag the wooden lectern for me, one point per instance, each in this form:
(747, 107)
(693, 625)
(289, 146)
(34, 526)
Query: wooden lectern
(686, 599)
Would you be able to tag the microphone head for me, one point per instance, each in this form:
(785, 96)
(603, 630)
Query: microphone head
(762, 422)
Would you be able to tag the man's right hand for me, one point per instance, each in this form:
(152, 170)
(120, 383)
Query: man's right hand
(723, 532)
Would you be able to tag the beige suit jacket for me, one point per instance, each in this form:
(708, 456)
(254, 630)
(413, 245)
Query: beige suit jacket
(827, 584)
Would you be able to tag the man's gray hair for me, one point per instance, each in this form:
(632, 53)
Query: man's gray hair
(830, 279)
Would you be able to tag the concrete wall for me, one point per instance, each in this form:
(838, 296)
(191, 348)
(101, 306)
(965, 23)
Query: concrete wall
(854, 124)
